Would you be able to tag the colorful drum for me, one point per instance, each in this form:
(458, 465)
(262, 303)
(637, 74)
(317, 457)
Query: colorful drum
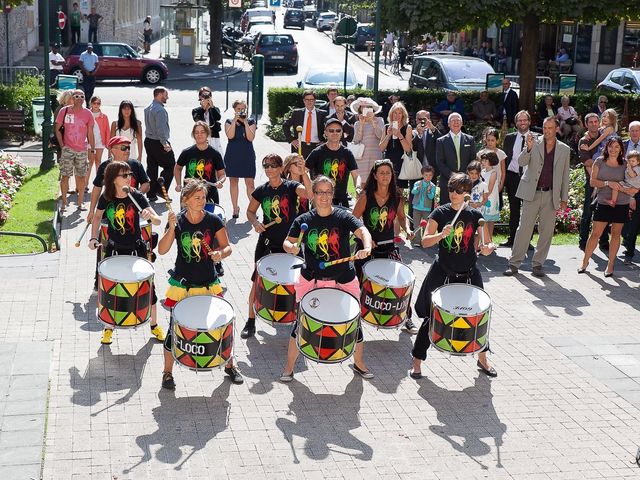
(328, 321)
(145, 231)
(217, 210)
(460, 318)
(275, 300)
(125, 291)
(202, 332)
(386, 292)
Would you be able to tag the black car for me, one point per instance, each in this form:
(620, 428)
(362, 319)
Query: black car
(622, 80)
(449, 71)
(279, 51)
(294, 17)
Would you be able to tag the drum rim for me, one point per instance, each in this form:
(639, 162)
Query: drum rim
(458, 285)
(367, 277)
(279, 254)
(153, 270)
(173, 313)
(355, 318)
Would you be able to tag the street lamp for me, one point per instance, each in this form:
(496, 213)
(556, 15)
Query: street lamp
(376, 62)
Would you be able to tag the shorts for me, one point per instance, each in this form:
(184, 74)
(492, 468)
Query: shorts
(609, 214)
(176, 292)
(73, 163)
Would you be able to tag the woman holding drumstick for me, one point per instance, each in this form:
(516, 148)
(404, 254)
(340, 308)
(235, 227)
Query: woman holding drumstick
(123, 226)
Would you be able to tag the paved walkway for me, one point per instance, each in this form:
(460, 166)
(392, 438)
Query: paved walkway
(566, 403)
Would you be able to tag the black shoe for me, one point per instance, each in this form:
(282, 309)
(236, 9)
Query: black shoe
(219, 269)
(249, 329)
(410, 327)
(490, 372)
(508, 243)
(510, 272)
(628, 260)
(234, 374)
(538, 272)
(167, 381)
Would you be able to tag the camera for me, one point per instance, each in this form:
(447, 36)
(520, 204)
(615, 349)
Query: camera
(423, 122)
(242, 114)
(205, 95)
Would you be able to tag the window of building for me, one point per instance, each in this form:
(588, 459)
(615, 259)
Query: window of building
(608, 45)
(631, 45)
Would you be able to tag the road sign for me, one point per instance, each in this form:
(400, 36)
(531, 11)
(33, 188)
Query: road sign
(62, 20)
(275, 3)
(346, 30)
(235, 3)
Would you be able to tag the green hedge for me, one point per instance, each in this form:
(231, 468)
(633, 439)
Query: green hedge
(20, 95)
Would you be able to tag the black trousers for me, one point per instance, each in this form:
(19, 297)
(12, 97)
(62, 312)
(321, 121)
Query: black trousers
(436, 277)
(93, 33)
(88, 85)
(631, 229)
(511, 183)
(157, 158)
(75, 34)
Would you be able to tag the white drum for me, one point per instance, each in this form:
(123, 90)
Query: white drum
(275, 293)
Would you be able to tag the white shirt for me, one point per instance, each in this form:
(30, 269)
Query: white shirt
(314, 126)
(517, 150)
(504, 100)
(389, 39)
(58, 58)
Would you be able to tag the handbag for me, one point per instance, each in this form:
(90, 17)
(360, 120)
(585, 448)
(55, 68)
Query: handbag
(357, 149)
(411, 167)
(53, 140)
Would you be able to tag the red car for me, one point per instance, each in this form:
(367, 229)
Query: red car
(117, 61)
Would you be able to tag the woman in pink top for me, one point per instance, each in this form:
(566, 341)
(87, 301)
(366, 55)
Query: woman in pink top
(101, 133)
(569, 119)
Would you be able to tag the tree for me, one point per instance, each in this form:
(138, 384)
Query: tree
(420, 17)
(215, 32)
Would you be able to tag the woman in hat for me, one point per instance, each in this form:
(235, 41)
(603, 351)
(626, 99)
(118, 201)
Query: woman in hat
(368, 131)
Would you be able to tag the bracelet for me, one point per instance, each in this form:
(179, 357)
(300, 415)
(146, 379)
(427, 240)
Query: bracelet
(606, 183)
(92, 239)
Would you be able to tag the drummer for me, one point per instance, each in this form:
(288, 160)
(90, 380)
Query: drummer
(278, 199)
(194, 273)
(123, 228)
(456, 262)
(378, 208)
(331, 229)
(293, 169)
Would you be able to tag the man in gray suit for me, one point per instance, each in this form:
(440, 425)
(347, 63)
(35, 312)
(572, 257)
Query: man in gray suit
(454, 152)
(543, 188)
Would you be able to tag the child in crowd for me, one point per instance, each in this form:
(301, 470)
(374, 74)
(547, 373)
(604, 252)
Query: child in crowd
(479, 191)
(631, 178)
(491, 211)
(423, 192)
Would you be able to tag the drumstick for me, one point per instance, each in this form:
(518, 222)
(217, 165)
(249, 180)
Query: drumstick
(467, 199)
(481, 223)
(299, 130)
(324, 265)
(303, 229)
(84, 231)
(127, 190)
(397, 239)
(198, 234)
(277, 220)
(164, 193)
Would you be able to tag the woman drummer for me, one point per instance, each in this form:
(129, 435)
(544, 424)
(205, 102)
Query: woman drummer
(194, 272)
(456, 261)
(378, 208)
(123, 227)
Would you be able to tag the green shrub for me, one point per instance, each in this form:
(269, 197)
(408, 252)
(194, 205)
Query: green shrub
(20, 95)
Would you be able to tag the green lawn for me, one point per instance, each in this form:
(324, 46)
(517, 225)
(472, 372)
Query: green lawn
(32, 212)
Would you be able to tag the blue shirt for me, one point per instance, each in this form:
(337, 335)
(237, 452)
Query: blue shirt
(89, 60)
(156, 122)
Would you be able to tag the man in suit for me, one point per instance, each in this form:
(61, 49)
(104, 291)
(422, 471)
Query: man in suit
(312, 122)
(424, 141)
(332, 94)
(544, 189)
(509, 103)
(454, 152)
(514, 144)
(347, 118)
(632, 227)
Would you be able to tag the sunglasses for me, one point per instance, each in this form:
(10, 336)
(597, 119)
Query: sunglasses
(334, 130)
(459, 191)
(78, 96)
(125, 148)
(126, 175)
(270, 165)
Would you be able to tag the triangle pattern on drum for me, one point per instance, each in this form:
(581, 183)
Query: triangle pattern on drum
(460, 322)
(202, 361)
(203, 337)
(458, 345)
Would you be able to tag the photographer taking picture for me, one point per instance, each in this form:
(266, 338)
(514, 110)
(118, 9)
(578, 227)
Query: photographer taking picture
(209, 114)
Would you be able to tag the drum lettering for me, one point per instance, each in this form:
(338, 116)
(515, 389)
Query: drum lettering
(459, 308)
(384, 305)
(191, 348)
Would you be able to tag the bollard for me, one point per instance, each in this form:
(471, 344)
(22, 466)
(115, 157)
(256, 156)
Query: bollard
(257, 82)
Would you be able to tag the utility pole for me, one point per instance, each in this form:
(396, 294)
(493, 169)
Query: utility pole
(376, 62)
(47, 154)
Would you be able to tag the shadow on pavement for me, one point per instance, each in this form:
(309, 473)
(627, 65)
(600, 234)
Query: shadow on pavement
(325, 421)
(88, 314)
(185, 421)
(382, 356)
(552, 294)
(109, 373)
(621, 292)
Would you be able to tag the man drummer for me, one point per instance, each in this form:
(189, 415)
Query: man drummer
(456, 261)
(278, 199)
(194, 272)
(326, 239)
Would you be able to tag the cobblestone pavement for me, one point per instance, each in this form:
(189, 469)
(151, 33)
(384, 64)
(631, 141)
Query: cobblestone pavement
(565, 404)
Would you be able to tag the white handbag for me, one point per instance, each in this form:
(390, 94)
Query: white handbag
(357, 149)
(411, 167)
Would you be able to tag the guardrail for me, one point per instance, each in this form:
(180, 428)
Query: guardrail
(543, 84)
(11, 75)
(28, 235)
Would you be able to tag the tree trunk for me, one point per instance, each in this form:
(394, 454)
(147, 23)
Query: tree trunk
(215, 19)
(528, 61)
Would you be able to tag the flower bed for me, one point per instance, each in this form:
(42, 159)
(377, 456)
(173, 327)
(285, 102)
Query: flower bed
(12, 175)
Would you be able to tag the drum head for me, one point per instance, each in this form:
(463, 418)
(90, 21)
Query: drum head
(330, 305)
(389, 272)
(125, 269)
(203, 312)
(277, 268)
(461, 299)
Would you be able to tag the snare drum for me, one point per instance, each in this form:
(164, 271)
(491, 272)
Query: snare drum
(460, 319)
(216, 210)
(386, 292)
(328, 321)
(145, 231)
(275, 299)
(202, 332)
(125, 291)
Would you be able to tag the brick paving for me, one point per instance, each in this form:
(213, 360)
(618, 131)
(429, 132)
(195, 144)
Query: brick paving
(565, 404)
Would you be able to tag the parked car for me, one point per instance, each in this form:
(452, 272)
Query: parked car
(298, 4)
(435, 70)
(309, 8)
(365, 32)
(622, 80)
(279, 50)
(294, 17)
(257, 12)
(259, 21)
(262, 28)
(117, 61)
(320, 77)
(326, 21)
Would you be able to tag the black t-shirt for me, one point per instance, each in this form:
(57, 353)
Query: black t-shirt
(192, 263)
(327, 239)
(335, 164)
(203, 165)
(139, 175)
(379, 219)
(457, 252)
(277, 202)
(123, 219)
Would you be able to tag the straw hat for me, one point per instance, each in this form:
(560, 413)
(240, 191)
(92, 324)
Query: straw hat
(365, 102)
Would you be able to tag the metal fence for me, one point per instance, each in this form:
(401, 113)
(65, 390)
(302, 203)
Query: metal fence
(11, 75)
(543, 84)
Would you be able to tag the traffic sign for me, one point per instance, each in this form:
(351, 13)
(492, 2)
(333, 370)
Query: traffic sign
(62, 20)
(235, 3)
(346, 30)
(274, 3)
